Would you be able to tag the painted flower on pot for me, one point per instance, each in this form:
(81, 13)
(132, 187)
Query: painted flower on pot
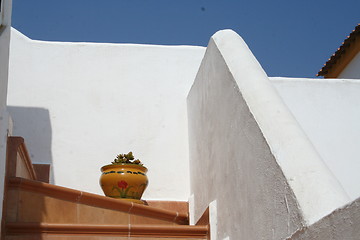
(122, 188)
(122, 184)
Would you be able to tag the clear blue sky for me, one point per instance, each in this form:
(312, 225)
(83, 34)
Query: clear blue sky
(288, 37)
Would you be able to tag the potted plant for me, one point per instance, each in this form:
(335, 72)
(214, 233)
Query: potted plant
(125, 178)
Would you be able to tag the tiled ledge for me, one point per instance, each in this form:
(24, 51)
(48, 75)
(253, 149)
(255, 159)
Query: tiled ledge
(118, 230)
(97, 200)
(18, 159)
(19, 163)
(178, 206)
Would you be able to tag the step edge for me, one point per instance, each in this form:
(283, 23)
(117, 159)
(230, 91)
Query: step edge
(138, 230)
(95, 200)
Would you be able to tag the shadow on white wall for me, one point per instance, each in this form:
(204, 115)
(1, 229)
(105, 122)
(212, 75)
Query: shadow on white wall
(33, 124)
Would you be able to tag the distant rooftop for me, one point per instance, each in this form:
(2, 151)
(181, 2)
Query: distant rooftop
(344, 54)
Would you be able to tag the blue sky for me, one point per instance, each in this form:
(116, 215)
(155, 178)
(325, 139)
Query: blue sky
(289, 38)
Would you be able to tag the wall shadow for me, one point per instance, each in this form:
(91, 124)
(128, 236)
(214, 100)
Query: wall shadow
(34, 125)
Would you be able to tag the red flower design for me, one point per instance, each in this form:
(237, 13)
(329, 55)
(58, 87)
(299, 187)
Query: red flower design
(122, 184)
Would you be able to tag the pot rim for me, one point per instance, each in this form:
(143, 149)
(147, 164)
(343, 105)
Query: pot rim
(124, 165)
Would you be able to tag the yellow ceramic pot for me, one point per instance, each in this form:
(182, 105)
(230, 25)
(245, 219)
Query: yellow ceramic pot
(124, 181)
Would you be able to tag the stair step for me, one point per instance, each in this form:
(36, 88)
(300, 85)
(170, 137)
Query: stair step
(178, 206)
(21, 230)
(35, 210)
(34, 201)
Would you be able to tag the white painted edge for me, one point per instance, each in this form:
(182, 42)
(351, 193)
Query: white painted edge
(317, 190)
(213, 220)
(320, 80)
(10, 124)
(191, 202)
(2, 15)
(25, 38)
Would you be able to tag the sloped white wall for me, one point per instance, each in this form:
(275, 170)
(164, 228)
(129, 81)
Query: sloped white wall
(231, 163)
(247, 152)
(91, 101)
(4, 64)
(341, 224)
(328, 111)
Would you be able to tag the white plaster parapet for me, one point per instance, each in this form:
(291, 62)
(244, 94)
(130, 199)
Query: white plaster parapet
(69, 100)
(317, 191)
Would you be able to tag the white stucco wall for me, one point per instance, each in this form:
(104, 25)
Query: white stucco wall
(341, 224)
(248, 153)
(4, 64)
(328, 111)
(80, 104)
(352, 70)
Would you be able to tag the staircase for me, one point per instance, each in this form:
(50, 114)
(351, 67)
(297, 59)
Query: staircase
(35, 210)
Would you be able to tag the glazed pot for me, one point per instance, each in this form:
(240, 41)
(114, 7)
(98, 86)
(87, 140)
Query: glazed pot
(124, 181)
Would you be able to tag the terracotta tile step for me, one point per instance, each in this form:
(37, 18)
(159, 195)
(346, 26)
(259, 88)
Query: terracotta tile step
(129, 231)
(36, 191)
(178, 206)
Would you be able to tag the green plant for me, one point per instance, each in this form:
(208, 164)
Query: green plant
(126, 159)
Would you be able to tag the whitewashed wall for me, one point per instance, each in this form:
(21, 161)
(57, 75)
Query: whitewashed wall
(5, 31)
(341, 224)
(328, 111)
(352, 70)
(248, 155)
(80, 104)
